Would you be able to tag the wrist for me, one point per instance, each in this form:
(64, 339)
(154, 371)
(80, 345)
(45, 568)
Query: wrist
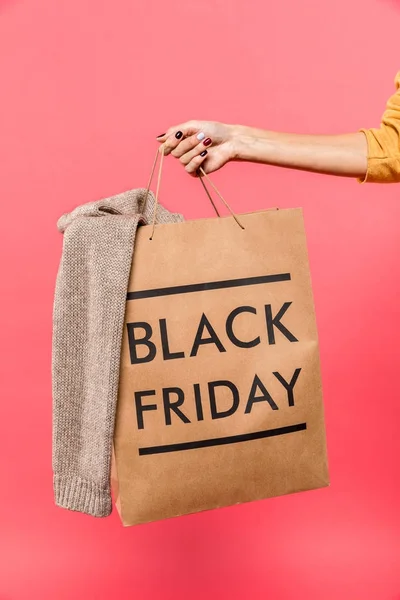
(245, 146)
(237, 141)
(247, 143)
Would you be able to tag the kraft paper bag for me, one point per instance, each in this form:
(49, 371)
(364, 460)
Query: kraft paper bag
(220, 397)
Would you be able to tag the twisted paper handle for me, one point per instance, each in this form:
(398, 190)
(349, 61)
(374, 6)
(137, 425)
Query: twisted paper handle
(204, 175)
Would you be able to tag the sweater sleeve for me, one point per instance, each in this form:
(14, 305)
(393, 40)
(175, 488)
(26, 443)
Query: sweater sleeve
(384, 144)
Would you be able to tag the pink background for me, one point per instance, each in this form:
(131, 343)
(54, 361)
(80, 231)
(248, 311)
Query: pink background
(85, 88)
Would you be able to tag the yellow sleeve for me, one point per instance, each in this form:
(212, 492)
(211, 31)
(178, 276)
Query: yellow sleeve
(384, 144)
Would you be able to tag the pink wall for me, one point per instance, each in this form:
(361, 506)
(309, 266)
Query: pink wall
(85, 88)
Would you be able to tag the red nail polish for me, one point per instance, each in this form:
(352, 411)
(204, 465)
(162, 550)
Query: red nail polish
(207, 142)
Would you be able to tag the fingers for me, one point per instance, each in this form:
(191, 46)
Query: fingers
(171, 142)
(210, 160)
(189, 128)
(191, 147)
(193, 166)
(176, 135)
(189, 143)
(197, 150)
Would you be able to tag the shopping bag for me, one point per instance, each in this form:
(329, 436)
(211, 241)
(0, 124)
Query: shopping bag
(220, 398)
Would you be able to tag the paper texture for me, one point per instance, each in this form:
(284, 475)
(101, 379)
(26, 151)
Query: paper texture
(220, 397)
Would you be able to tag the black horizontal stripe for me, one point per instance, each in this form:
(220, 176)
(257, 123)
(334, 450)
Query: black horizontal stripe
(203, 287)
(233, 439)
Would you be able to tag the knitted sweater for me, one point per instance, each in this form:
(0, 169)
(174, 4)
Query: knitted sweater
(88, 318)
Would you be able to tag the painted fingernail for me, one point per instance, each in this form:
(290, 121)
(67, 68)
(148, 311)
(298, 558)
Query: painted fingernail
(201, 136)
(178, 135)
(204, 153)
(162, 135)
(207, 142)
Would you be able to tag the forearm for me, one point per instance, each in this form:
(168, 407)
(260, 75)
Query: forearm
(345, 155)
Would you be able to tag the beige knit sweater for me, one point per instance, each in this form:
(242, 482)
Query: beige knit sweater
(88, 318)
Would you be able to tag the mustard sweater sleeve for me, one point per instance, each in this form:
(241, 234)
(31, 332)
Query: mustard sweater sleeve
(384, 144)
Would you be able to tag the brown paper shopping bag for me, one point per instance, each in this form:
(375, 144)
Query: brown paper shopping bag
(220, 396)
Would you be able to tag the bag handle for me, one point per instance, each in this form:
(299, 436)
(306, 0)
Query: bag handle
(204, 175)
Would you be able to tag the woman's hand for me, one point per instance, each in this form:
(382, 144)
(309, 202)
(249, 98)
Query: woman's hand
(198, 144)
(211, 145)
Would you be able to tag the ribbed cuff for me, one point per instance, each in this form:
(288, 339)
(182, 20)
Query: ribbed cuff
(74, 493)
(365, 179)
